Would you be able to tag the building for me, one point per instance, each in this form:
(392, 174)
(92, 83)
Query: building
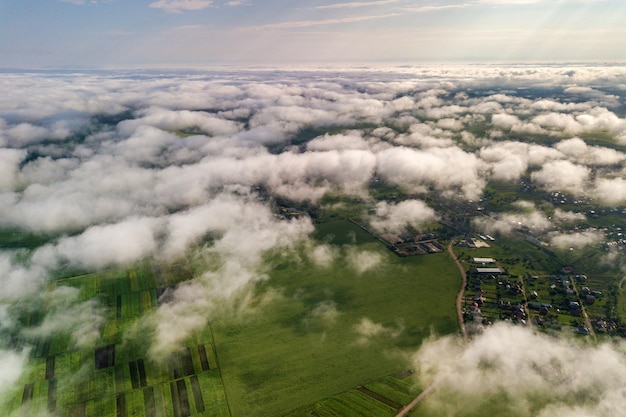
(486, 271)
(483, 261)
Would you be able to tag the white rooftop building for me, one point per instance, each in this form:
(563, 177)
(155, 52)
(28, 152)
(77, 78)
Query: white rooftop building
(483, 260)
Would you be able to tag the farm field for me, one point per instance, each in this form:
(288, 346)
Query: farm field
(116, 378)
(333, 329)
(328, 329)
(383, 397)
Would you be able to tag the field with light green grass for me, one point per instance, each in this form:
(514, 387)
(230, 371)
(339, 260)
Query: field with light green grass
(326, 338)
(327, 330)
(306, 345)
(516, 255)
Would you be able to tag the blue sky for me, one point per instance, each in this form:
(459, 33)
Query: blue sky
(184, 33)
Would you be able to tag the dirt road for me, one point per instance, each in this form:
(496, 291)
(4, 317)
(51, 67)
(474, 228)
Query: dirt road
(417, 399)
(459, 312)
(459, 297)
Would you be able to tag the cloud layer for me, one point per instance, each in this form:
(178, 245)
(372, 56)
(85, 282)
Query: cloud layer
(109, 169)
(514, 371)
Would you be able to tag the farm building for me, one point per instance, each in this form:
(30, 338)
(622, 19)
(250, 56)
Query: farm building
(391, 238)
(483, 260)
(486, 271)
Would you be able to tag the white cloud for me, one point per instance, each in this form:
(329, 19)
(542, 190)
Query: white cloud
(502, 2)
(25, 133)
(508, 160)
(578, 151)
(427, 9)
(326, 311)
(246, 232)
(323, 22)
(450, 124)
(568, 216)
(539, 155)
(506, 223)
(363, 260)
(99, 165)
(526, 128)
(19, 281)
(504, 120)
(180, 120)
(368, 329)
(561, 122)
(424, 135)
(110, 245)
(67, 315)
(576, 240)
(610, 190)
(393, 218)
(175, 6)
(12, 365)
(449, 170)
(64, 195)
(592, 93)
(562, 176)
(323, 255)
(549, 375)
(9, 167)
(354, 4)
(349, 140)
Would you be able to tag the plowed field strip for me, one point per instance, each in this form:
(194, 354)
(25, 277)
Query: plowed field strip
(380, 398)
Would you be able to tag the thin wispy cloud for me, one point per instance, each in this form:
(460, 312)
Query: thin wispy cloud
(355, 4)
(84, 2)
(513, 1)
(322, 22)
(177, 6)
(426, 9)
(423, 31)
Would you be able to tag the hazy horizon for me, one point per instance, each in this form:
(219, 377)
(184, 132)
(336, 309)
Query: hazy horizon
(192, 33)
(235, 178)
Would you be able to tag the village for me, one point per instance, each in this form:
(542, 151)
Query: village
(564, 302)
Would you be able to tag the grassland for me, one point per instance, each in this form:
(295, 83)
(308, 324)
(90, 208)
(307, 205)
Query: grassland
(328, 330)
(292, 354)
(331, 341)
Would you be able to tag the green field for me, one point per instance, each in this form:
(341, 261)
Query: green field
(517, 255)
(115, 378)
(290, 356)
(327, 330)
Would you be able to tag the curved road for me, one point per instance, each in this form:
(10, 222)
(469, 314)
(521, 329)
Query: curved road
(459, 312)
(459, 297)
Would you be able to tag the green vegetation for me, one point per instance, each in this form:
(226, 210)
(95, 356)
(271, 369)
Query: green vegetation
(517, 255)
(335, 333)
(116, 378)
(602, 138)
(328, 330)
(306, 344)
(18, 239)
